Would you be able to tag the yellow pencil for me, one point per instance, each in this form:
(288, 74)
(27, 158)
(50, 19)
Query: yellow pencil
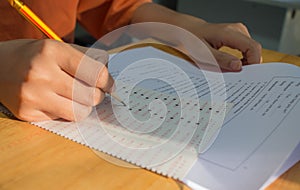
(37, 22)
(33, 19)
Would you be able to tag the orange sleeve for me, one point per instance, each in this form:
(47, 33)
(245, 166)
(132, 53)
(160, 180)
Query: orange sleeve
(107, 16)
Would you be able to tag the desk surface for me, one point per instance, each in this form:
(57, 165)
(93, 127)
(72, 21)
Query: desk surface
(33, 158)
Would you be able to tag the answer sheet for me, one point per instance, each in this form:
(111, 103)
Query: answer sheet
(258, 134)
(258, 108)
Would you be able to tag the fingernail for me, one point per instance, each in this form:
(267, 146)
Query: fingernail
(235, 65)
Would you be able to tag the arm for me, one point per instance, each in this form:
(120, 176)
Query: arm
(214, 35)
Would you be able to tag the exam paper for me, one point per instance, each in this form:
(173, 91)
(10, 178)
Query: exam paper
(164, 137)
(258, 111)
(260, 132)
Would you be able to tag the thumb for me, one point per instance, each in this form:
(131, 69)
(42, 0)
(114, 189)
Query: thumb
(88, 67)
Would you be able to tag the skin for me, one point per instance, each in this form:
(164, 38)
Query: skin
(32, 71)
(36, 75)
(234, 35)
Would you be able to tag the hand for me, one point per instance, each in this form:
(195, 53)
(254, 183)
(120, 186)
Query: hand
(215, 36)
(38, 77)
(233, 35)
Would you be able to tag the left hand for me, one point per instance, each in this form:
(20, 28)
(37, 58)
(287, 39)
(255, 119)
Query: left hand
(234, 35)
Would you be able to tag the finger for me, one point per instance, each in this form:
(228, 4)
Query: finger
(77, 91)
(250, 48)
(227, 61)
(64, 108)
(89, 96)
(86, 69)
(105, 81)
(245, 61)
(95, 74)
(47, 116)
(42, 116)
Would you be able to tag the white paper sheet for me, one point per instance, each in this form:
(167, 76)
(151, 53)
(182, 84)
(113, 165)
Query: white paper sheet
(258, 135)
(260, 132)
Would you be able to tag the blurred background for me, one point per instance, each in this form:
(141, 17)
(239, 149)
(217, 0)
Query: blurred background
(273, 23)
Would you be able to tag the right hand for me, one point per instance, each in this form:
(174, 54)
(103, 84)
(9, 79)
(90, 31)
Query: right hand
(37, 79)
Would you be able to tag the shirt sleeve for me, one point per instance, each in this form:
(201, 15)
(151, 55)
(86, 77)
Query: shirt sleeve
(108, 16)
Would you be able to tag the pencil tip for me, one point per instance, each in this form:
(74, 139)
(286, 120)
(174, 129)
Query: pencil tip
(123, 103)
(118, 99)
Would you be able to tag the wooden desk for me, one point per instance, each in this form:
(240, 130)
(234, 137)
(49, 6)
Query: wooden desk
(32, 158)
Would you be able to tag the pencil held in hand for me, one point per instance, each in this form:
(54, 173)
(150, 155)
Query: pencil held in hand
(38, 23)
(33, 19)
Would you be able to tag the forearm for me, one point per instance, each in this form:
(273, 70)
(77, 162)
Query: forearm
(151, 12)
(234, 35)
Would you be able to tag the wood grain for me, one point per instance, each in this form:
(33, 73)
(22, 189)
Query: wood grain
(32, 158)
